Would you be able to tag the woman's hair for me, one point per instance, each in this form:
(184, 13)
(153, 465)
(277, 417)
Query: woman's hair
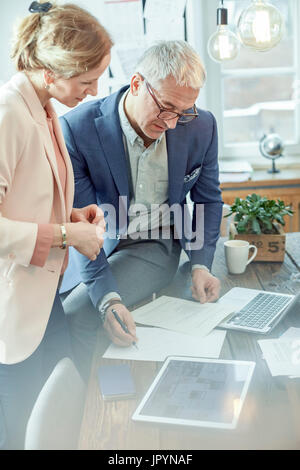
(66, 40)
(172, 58)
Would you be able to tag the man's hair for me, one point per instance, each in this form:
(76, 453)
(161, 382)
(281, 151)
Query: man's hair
(175, 59)
(66, 40)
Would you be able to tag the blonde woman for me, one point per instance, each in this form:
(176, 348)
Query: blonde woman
(60, 52)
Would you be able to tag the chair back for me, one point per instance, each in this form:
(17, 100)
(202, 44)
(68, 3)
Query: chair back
(55, 420)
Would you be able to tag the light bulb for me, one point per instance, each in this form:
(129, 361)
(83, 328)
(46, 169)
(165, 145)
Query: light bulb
(260, 26)
(223, 45)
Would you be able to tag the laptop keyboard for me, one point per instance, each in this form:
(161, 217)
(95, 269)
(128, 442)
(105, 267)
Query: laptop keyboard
(260, 311)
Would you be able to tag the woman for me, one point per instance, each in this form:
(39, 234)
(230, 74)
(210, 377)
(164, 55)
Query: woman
(60, 52)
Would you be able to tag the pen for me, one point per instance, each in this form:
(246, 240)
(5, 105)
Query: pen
(123, 326)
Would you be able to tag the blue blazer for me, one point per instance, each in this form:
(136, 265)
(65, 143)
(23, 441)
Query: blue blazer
(94, 140)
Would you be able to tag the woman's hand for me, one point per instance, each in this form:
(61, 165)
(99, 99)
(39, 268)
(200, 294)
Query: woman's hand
(87, 238)
(86, 231)
(91, 214)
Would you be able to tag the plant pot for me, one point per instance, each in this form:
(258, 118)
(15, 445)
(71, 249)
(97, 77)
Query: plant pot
(270, 247)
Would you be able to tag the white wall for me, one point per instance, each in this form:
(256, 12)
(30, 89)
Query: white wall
(9, 12)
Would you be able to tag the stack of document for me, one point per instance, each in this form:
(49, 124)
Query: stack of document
(183, 316)
(156, 344)
(235, 171)
(183, 328)
(283, 354)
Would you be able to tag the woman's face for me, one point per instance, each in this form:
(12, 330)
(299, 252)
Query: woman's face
(72, 91)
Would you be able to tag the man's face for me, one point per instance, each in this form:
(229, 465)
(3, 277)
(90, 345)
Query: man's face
(169, 95)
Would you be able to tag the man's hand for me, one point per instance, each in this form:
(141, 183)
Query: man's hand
(206, 287)
(114, 329)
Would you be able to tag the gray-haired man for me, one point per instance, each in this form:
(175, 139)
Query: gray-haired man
(141, 151)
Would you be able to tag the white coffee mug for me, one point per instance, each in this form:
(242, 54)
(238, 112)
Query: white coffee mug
(237, 255)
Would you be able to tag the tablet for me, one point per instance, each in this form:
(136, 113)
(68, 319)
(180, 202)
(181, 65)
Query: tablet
(193, 391)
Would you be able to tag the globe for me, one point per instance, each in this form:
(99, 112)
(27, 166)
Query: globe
(271, 146)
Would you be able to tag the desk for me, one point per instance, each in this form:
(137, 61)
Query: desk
(284, 185)
(271, 414)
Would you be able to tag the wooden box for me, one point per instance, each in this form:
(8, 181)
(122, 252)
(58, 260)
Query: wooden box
(270, 247)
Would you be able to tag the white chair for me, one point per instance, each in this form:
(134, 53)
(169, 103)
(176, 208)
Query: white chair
(55, 420)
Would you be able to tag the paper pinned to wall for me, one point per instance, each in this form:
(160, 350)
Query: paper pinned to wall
(157, 29)
(175, 8)
(124, 20)
(124, 60)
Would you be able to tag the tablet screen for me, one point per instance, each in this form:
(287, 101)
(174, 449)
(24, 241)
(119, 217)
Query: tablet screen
(197, 392)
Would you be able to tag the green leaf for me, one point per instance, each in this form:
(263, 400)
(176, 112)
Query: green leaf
(279, 219)
(255, 226)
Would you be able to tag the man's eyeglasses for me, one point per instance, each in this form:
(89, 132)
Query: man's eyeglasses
(166, 114)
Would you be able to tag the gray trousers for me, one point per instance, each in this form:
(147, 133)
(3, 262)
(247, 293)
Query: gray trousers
(140, 267)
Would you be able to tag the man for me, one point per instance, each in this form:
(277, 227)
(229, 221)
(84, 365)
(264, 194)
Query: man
(137, 154)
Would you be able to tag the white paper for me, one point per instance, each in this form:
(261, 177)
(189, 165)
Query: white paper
(157, 29)
(174, 8)
(234, 177)
(124, 59)
(291, 333)
(183, 316)
(282, 356)
(155, 344)
(124, 20)
(232, 166)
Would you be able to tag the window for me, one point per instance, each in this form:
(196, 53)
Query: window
(258, 92)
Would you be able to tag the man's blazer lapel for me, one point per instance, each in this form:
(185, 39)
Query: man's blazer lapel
(177, 161)
(111, 138)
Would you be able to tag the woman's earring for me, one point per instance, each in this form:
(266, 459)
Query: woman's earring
(47, 87)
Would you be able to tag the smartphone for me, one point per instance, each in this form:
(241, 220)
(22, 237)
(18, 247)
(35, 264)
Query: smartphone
(116, 382)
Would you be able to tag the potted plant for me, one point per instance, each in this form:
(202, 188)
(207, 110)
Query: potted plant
(259, 220)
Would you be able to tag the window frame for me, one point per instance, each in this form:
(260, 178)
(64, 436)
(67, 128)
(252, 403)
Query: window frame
(211, 96)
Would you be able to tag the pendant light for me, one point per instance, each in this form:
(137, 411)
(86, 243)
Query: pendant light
(223, 45)
(260, 26)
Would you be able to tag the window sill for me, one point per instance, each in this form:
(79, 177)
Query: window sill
(261, 163)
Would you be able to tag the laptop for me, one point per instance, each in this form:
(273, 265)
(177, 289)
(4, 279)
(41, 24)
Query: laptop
(257, 311)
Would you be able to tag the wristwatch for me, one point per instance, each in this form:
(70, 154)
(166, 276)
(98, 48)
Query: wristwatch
(104, 308)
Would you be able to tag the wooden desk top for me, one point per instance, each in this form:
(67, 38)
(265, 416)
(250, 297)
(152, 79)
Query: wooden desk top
(270, 416)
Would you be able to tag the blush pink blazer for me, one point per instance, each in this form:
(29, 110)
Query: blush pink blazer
(29, 191)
